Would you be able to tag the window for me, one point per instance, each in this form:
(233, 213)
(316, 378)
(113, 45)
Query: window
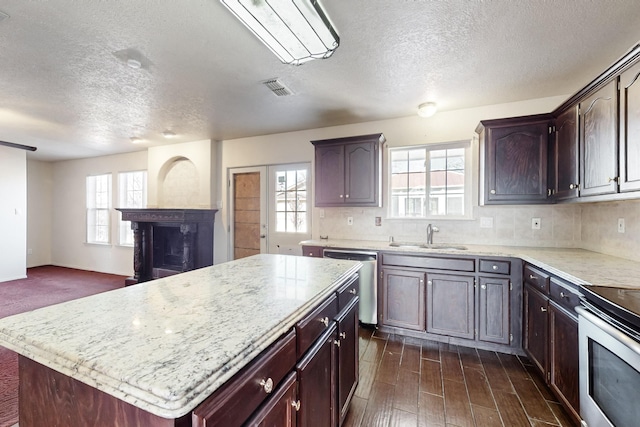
(132, 193)
(291, 201)
(430, 181)
(98, 205)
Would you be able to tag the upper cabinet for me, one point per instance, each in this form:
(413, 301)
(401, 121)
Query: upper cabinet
(513, 159)
(630, 129)
(563, 158)
(348, 171)
(598, 141)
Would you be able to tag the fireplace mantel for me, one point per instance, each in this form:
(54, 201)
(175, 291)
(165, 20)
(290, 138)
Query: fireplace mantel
(169, 241)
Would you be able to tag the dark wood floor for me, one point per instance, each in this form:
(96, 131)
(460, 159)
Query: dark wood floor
(409, 382)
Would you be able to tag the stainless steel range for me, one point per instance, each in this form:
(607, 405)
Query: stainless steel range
(609, 340)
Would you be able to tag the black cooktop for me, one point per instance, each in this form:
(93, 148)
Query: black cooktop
(623, 304)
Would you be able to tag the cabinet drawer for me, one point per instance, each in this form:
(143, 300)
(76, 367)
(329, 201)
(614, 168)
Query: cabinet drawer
(434, 263)
(564, 295)
(493, 266)
(312, 251)
(348, 292)
(313, 325)
(537, 278)
(234, 402)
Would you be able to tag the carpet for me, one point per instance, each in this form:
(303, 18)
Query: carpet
(44, 286)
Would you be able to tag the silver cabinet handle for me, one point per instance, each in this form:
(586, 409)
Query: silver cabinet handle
(563, 295)
(341, 196)
(325, 321)
(267, 385)
(573, 186)
(495, 267)
(296, 405)
(483, 287)
(532, 277)
(343, 335)
(428, 282)
(347, 196)
(492, 191)
(353, 291)
(337, 343)
(542, 309)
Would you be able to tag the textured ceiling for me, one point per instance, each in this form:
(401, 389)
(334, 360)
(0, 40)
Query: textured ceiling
(66, 89)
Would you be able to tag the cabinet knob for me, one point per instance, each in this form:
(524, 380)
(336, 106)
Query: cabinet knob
(353, 291)
(562, 295)
(267, 385)
(532, 277)
(428, 282)
(492, 191)
(341, 196)
(347, 196)
(296, 405)
(337, 343)
(325, 321)
(495, 267)
(573, 186)
(542, 309)
(483, 287)
(343, 335)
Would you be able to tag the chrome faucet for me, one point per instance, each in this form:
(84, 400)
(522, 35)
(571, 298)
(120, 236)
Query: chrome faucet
(430, 230)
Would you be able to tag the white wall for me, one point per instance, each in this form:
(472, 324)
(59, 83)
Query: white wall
(600, 228)
(13, 213)
(39, 212)
(69, 214)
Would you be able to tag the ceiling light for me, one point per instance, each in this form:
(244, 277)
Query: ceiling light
(136, 140)
(168, 134)
(134, 63)
(296, 31)
(427, 109)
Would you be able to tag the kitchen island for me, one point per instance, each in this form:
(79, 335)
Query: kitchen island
(155, 351)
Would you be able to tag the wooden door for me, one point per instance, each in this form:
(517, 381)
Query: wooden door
(361, 175)
(246, 214)
(566, 184)
(599, 142)
(329, 175)
(403, 299)
(536, 327)
(347, 366)
(316, 382)
(450, 305)
(493, 310)
(630, 129)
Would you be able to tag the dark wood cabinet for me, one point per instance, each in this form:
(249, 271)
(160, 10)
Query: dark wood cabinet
(347, 355)
(280, 409)
(513, 159)
(536, 327)
(599, 141)
(312, 251)
(563, 355)
(348, 171)
(630, 129)
(450, 305)
(563, 163)
(403, 298)
(493, 310)
(316, 382)
(551, 334)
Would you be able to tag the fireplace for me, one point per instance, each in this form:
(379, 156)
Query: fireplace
(169, 241)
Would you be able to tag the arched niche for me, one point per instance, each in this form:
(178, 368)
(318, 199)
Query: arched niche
(178, 184)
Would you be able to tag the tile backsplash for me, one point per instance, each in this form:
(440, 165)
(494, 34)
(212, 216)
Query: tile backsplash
(591, 226)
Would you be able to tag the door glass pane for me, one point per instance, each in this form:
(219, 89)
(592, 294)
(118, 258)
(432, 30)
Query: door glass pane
(613, 386)
(291, 201)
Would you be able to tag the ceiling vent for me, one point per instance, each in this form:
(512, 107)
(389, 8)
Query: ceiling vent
(3, 16)
(277, 87)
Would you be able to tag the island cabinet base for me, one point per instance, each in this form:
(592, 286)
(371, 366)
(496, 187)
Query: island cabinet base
(49, 398)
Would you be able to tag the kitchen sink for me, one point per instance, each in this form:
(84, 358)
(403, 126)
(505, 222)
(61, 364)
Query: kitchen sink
(443, 246)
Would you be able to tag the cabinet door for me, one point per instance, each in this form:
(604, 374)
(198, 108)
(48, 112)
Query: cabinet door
(536, 327)
(316, 382)
(361, 173)
(516, 163)
(403, 299)
(493, 310)
(280, 409)
(630, 129)
(599, 141)
(450, 304)
(329, 175)
(566, 155)
(347, 365)
(563, 358)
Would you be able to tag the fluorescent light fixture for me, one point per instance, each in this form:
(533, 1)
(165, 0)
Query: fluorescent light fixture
(427, 109)
(296, 31)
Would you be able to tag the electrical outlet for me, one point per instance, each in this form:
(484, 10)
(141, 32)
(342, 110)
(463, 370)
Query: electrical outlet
(29, 251)
(486, 222)
(378, 221)
(321, 213)
(620, 225)
(535, 223)
(349, 220)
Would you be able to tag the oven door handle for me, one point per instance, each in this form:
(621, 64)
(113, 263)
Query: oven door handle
(609, 329)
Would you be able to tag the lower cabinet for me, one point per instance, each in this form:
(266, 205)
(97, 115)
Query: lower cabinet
(494, 310)
(280, 409)
(450, 305)
(347, 355)
(403, 298)
(551, 334)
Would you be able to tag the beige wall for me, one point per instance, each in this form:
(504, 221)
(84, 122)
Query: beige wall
(39, 212)
(600, 228)
(13, 213)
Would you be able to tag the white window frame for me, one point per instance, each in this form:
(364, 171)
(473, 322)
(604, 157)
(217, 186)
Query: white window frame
(468, 182)
(125, 234)
(98, 203)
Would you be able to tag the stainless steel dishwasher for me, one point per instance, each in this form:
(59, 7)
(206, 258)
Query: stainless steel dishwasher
(368, 305)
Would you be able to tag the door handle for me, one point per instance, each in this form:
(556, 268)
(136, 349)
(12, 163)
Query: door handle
(263, 236)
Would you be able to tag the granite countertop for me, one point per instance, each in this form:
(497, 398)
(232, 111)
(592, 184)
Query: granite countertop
(578, 266)
(164, 346)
